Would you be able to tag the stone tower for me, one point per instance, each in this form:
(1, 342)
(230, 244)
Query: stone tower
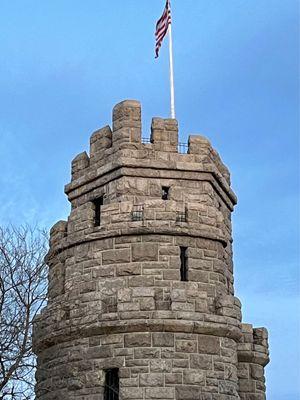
(141, 299)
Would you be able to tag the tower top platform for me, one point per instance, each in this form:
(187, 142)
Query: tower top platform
(123, 146)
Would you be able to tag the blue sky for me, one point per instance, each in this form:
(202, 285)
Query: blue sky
(65, 63)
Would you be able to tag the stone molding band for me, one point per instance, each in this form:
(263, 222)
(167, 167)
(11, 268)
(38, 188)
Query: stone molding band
(125, 169)
(115, 327)
(138, 231)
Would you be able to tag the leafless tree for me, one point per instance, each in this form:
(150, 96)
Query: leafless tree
(23, 282)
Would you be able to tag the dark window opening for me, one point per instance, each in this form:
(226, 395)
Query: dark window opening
(111, 390)
(165, 192)
(183, 264)
(66, 313)
(137, 213)
(98, 203)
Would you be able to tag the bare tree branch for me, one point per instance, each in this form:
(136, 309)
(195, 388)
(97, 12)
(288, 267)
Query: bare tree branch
(23, 282)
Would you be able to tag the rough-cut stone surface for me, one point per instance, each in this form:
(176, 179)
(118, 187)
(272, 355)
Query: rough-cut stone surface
(116, 299)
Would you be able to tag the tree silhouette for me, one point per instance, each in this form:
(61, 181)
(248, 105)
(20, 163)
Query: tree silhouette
(23, 290)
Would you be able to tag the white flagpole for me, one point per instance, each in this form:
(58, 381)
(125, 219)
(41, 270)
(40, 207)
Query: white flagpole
(171, 72)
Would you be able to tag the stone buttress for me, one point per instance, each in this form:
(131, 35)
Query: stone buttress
(141, 275)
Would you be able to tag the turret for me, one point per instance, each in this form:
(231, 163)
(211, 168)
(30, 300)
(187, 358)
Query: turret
(141, 296)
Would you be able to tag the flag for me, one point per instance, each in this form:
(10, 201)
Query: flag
(162, 27)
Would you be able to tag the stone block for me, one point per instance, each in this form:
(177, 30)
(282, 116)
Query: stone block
(151, 379)
(246, 328)
(246, 385)
(128, 269)
(116, 256)
(141, 281)
(146, 353)
(163, 339)
(173, 379)
(128, 306)
(144, 252)
(171, 274)
(199, 361)
(142, 292)
(100, 352)
(131, 393)
(160, 393)
(188, 393)
(256, 371)
(138, 340)
(147, 304)
(178, 295)
(186, 346)
(194, 377)
(124, 295)
(160, 365)
(208, 344)
(201, 306)
(243, 370)
(228, 388)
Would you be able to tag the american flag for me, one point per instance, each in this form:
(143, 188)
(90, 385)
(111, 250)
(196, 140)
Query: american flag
(162, 27)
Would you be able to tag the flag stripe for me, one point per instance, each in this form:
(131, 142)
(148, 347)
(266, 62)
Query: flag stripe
(162, 27)
(166, 17)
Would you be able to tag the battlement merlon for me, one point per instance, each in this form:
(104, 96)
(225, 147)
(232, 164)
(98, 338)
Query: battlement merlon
(253, 346)
(253, 356)
(122, 146)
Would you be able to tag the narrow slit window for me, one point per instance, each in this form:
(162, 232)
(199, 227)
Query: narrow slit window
(111, 390)
(165, 192)
(183, 264)
(98, 203)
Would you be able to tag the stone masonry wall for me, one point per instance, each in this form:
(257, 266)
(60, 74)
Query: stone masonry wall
(116, 298)
(152, 365)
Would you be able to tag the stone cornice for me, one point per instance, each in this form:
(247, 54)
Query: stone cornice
(98, 234)
(63, 332)
(151, 169)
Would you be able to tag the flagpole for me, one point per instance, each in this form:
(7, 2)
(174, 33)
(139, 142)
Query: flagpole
(171, 72)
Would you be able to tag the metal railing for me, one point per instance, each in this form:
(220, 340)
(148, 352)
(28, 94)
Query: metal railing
(137, 213)
(183, 148)
(181, 216)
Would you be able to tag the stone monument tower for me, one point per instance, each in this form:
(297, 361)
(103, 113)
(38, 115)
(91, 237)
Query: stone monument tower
(141, 299)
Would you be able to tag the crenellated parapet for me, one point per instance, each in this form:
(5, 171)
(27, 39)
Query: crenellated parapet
(122, 146)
